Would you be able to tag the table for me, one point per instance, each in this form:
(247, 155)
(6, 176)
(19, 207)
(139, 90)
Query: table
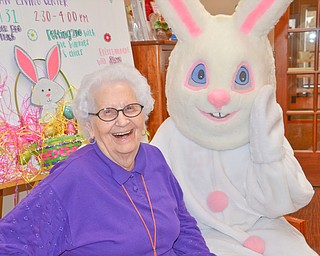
(17, 185)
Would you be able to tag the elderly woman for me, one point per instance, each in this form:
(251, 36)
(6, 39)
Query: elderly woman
(114, 196)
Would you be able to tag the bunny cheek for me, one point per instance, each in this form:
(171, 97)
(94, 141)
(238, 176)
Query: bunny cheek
(195, 118)
(213, 133)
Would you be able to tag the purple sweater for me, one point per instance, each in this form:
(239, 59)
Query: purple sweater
(81, 209)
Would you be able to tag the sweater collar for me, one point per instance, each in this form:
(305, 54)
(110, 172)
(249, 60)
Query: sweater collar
(121, 175)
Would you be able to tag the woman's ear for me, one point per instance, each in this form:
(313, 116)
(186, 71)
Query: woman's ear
(90, 129)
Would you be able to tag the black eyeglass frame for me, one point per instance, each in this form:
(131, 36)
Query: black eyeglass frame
(118, 110)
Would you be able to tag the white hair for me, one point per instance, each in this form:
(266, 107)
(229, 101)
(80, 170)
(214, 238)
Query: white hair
(85, 103)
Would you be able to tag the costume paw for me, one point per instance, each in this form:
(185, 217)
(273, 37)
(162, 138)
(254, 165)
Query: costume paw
(266, 134)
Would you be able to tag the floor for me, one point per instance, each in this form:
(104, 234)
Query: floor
(311, 213)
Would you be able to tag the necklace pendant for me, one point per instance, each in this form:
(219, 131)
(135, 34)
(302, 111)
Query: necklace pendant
(154, 252)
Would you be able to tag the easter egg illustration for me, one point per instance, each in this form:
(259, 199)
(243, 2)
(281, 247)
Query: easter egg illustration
(67, 112)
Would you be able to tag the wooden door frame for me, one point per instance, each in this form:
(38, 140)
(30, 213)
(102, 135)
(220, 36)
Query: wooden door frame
(310, 161)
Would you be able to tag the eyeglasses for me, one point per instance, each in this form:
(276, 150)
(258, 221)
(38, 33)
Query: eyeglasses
(110, 114)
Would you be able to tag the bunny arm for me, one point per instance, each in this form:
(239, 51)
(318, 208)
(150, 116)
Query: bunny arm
(278, 188)
(266, 132)
(271, 152)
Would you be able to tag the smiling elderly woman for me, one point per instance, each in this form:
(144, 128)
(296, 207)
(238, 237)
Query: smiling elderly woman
(114, 196)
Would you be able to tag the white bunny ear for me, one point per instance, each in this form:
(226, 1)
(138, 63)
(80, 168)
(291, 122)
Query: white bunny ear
(258, 17)
(25, 64)
(187, 18)
(53, 62)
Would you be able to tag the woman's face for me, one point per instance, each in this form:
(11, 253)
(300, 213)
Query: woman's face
(118, 139)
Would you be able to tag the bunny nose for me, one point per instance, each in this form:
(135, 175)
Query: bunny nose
(219, 98)
(48, 95)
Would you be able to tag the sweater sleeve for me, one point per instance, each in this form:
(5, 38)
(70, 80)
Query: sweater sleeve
(190, 241)
(37, 226)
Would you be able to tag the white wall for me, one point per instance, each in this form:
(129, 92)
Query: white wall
(220, 6)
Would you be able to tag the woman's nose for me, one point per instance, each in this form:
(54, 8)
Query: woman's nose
(121, 118)
(219, 98)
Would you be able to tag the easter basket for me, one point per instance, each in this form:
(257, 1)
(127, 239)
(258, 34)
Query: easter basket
(59, 148)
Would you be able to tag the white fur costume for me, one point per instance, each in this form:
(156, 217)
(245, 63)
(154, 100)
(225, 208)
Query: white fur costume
(224, 139)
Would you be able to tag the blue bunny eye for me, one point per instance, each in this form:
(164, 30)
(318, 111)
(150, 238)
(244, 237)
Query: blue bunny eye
(242, 79)
(198, 77)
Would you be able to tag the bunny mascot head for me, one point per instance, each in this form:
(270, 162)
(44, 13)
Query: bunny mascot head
(226, 60)
(224, 139)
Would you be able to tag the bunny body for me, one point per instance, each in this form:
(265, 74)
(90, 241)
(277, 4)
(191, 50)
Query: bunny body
(46, 92)
(234, 199)
(224, 139)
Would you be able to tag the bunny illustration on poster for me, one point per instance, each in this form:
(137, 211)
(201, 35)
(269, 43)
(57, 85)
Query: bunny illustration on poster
(46, 92)
(224, 139)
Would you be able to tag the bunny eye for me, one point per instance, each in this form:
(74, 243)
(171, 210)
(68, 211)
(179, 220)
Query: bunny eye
(242, 79)
(198, 76)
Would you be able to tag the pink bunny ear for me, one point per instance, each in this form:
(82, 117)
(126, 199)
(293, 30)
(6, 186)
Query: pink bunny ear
(258, 17)
(53, 62)
(25, 64)
(187, 18)
(255, 15)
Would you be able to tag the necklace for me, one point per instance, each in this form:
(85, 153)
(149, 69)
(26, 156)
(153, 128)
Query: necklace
(154, 241)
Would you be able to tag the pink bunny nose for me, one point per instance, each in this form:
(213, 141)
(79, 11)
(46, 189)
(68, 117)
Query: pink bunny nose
(48, 95)
(219, 98)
